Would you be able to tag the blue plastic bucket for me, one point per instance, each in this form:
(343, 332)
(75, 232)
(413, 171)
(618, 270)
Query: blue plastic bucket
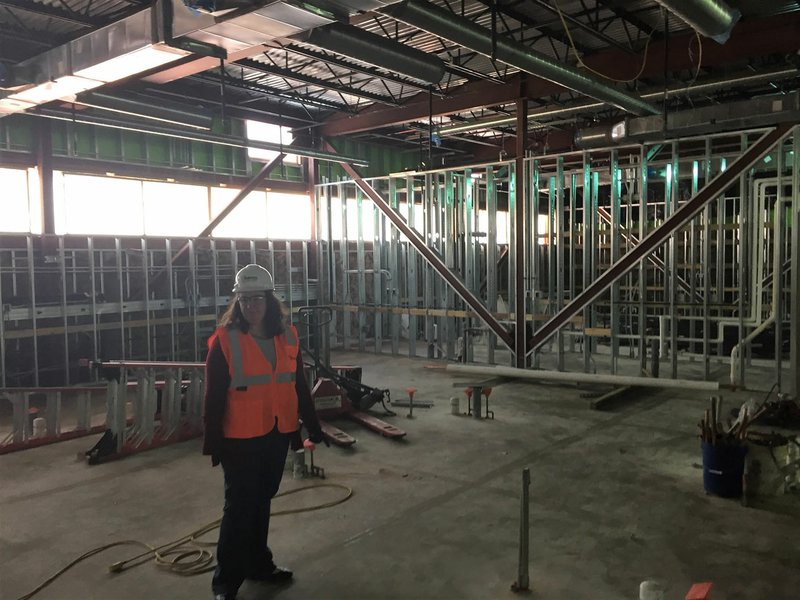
(723, 469)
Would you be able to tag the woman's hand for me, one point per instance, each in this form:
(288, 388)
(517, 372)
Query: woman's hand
(309, 445)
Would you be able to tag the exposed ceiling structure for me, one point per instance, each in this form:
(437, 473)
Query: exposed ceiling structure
(440, 78)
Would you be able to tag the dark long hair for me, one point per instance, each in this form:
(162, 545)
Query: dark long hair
(275, 318)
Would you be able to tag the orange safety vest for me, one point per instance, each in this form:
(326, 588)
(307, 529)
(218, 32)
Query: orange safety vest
(262, 388)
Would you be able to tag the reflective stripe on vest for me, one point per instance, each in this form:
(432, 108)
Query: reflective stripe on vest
(262, 391)
(238, 378)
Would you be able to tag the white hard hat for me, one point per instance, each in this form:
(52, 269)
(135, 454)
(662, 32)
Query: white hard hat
(253, 278)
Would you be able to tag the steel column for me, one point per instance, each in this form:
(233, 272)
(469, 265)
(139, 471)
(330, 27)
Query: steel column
(794, 298)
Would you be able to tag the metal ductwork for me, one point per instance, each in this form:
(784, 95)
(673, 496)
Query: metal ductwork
(152, 38)
(372, 49)
(696, 89)
(459, 30)
(111, 53)
(764, 111)
(712, 18)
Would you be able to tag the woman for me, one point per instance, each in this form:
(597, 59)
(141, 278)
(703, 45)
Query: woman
(255, 385)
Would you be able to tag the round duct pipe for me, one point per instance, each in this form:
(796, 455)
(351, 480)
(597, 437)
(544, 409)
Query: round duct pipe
(594, 137)
(445, 24)
(155, 109)
(712, 18)
(376, 50)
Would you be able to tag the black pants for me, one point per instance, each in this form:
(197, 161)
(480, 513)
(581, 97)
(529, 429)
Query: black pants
(253, 470)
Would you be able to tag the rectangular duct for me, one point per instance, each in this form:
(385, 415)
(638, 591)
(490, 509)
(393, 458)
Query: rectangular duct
(156, 36)
(756, 112)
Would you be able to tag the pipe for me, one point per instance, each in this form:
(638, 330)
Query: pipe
(376, 50)
(461, 31)
(593, 379)
(165, 111)
(676, 90)
(195, 136)
(712, 18)
(776, 269)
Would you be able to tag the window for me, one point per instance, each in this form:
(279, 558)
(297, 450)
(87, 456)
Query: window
(22, 211)
(247, 220)
(274, 134)
(97, 205)
(172, 209)
(289, 216)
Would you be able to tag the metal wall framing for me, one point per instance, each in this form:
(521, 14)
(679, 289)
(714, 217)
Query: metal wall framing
(71, 298)
(707, 294)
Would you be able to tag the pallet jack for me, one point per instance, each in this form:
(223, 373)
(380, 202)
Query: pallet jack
(337, 391)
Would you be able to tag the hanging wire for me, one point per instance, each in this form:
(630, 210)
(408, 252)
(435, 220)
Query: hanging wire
(588, 68)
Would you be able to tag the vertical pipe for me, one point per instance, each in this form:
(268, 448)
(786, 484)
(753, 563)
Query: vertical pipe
(428, 293)
(777, 265)
(476, 402)
(523, 582)
(345, 258)
(62, 267)
(586, 253)
(306, 277)
(44, 165)
(289, 274)
(616, 216)
(3, 331)
(692, 255)
(193, 298)
(448, 239)
(361, 277)
(642, 176)
(34, 326)
(377, 278)
(674, 198)
(517, 217)
(535, 250)
(171, 297)
(552, 225)
(145, 269)
(411, 262)
(794, 297)
(706, 271)
(121, 300)
(394, 295)
(559, 221)
(491, 255)
(741, 270)
(214, 275)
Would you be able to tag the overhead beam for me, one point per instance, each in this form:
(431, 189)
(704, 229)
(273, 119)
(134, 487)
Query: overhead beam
(660, 235)
(352, 66)
(254, 65)
(428, 254)
(777, 34)
(60, 14)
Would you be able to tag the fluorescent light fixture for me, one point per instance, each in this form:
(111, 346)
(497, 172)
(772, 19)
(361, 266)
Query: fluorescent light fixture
(131, 63)
(618, 131)
(63, 87)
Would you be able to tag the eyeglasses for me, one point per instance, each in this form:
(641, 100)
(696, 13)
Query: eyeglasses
(252, 299)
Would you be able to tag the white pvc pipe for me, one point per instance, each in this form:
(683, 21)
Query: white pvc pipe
(777, 270)
(560, 376)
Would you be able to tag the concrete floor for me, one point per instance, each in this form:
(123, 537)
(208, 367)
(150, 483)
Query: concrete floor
(616, 498)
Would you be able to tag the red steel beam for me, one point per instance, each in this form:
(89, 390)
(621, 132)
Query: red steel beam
(429, 255)
(777, 34)
(658, 236)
